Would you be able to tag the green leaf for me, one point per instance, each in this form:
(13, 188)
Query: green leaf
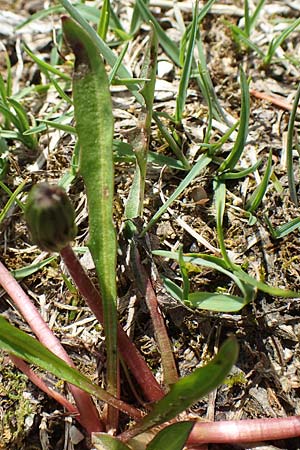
(258, 194)
(20, 344)
(186, 72)
(94, 125)
(237, 150)
(213, 301)
(289, 149)
(11, 200)
(45, 67)
(202, 162)
(191, 388)
(135, 201)
(218, 303)
(26, 271)
(167, 44)
(172, 437)
(283, 230)
(276, 42)
(103, 441)
(104, 20)
(220, 198)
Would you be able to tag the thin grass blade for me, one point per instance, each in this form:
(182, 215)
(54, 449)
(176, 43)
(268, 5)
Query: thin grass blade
(202, 162)
(135, 202)
(289, 149)
(186, 72)
(275, 43)
(104, 20)
(167, 44)
(259, 193)
(231, 161)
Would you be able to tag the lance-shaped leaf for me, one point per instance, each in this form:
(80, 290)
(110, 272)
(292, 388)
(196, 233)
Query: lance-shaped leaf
(94, 126)
(20, 344)
(190, 389)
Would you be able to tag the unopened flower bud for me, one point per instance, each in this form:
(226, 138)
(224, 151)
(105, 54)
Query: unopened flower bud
(50, 217)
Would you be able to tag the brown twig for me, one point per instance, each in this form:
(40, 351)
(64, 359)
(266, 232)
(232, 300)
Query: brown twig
(275, 100)
(88, 414)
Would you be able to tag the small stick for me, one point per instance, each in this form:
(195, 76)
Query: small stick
(272, 99)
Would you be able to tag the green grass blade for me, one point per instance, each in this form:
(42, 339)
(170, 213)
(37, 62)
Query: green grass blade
(167, 44)
(44, 66)
(258, 194)
(185, 275)
(94, 125)
(232, 159)
(275, 43)
(191, 388)
(240, 173)
(202, 162)
(104, 20)
(241, 36)
(283, 230)
(26, 271)
(20, 344)
(220, 199)
(59, 126)
(103, 441)
(172, 437)
(31, 141)
(136, 18)
(104, 50)
(254, 17)
(11, 200)
(135, 201)
(186, 72)
(117, 64)
(289, 149)
(247, 18)
(276, 292)
(171, 141)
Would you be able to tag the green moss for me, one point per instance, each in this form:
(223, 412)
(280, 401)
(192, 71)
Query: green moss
(15, 407)
(236, 378)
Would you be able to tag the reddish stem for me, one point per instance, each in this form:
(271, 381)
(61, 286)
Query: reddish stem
(275, 100)
(35, 379)
(88, 414)
(244, 431)
(129, 352)
(145, 286)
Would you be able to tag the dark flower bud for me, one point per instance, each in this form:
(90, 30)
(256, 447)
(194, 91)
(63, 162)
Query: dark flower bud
(50, 217)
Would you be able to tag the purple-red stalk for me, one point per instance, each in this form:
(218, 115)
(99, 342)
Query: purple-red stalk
(88, 414)
(35, 379)
(244, 431)
(129, 352)
(170, 374)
